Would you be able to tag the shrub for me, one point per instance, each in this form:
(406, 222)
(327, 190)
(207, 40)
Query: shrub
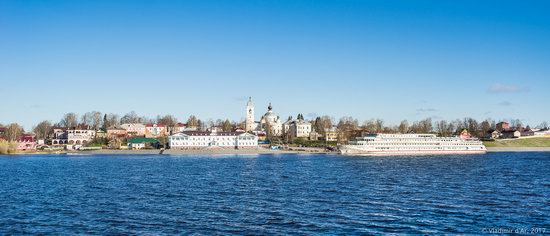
(7, 147)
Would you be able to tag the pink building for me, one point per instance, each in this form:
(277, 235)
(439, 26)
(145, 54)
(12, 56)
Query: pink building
(26, 143)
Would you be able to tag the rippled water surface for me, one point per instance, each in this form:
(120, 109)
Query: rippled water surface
(273, 194)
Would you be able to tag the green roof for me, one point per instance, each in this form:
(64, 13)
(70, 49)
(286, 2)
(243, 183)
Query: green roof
(142, 140)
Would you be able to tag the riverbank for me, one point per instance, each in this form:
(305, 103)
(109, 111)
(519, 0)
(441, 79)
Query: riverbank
(244, 151)
(200, 151)
(518, 149)
(524, 142)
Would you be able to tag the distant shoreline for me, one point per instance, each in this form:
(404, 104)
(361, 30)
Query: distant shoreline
(244, 151)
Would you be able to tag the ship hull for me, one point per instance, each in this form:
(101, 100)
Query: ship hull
(346, 150)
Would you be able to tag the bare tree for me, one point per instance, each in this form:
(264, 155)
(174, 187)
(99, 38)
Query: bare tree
(130, 117)
(69, 120)
(403, 127)
(346, 126)
(226, 126)
(473, 126)
(110, 120)
(86, 119)
(484, 127)
(96, 120)
(43, 129)
(13, 132)
(516, 124)
(169, 121)
(424, 126)
(192, 122)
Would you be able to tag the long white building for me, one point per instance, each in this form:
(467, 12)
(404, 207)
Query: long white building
(208, 139)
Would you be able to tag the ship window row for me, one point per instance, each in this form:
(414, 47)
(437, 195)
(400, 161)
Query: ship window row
(217, 144)
(417, 144)
(423, 148)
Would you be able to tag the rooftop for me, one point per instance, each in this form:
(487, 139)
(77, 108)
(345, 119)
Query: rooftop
(142, 140)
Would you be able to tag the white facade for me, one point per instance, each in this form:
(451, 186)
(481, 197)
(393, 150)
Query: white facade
(297, 128)
(200, 140)
(271, 123)
(155, 130)
(250, 123)
(331, 134)
(136, 146)
(78, 136)
(300, 129)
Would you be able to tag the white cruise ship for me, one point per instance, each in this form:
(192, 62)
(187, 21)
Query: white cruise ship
(411, 144)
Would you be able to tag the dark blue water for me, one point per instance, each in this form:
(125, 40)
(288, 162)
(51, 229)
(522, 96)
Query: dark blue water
(273, 194)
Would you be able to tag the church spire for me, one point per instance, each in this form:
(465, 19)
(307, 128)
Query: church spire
(269, 108)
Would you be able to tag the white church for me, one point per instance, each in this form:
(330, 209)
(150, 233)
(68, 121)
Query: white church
(270, 122)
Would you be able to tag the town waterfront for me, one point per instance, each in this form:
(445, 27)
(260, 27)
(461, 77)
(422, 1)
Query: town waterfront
(274, 194)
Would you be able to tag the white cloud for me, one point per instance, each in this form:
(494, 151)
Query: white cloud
(426, 109)
(506, 88)
(505, 103)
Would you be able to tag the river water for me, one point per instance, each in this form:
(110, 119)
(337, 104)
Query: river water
(274, 194)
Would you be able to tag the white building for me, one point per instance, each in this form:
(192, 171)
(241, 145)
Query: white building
(59, 136)
(80, 136)
(300, 129)
(250, 123)
(331, 135)
(271, 123)
(134, 129)
(155, 130)
(207, 139)
(297, 128)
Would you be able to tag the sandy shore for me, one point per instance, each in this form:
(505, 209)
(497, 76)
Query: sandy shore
(518, 149)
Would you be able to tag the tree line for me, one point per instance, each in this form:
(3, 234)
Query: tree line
(102, 121)
(346, 126)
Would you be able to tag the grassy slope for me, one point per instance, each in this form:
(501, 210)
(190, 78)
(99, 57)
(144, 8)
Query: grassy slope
(528, 142)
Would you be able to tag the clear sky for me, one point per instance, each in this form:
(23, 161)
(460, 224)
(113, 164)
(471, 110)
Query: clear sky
(369, 59)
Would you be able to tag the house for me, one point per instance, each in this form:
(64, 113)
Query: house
(155, 130)
(542, 132)
(298, 128)
(492, 134)
(142, 143)
(502, 126)
(134, 129)
(80, 135)
(116, 132)
(314, 135)
(178, 128)
(212, 139)
(26, 143)
(511, 134)
(58, 136)
(465, 134)
(527, 132)
(331, 135)
(100, 134)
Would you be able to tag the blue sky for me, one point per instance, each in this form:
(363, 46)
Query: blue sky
(393, 60)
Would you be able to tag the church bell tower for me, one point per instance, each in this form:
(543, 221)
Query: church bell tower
(249, 123)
